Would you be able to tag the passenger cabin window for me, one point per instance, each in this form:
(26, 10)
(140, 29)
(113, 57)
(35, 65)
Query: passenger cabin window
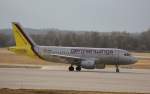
(127, 54)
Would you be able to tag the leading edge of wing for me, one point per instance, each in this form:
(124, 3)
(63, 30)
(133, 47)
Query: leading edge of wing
(66, 56)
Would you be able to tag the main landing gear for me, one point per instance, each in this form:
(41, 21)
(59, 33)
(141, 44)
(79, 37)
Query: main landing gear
(117, 68)
(71, 68)
(78, 68)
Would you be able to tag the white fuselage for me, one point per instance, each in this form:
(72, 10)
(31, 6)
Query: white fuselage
(103, 55)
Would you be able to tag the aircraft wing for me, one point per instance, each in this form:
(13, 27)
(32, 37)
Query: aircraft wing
(70, 59)
(65, 56)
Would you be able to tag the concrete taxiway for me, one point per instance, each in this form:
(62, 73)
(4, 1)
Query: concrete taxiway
(55, 77)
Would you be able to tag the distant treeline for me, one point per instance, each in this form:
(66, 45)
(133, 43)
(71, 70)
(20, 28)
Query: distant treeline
(122, 40)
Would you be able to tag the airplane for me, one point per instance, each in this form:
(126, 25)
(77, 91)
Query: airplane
(81, 57)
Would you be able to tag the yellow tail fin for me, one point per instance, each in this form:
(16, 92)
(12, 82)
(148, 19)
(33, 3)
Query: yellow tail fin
(21, 38)
(24, 44)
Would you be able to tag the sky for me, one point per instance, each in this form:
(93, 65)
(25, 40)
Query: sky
(91, 15)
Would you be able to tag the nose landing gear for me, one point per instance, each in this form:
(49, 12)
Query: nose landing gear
(117, 68)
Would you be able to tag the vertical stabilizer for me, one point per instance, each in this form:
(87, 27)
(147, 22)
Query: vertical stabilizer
(21, 38)
(24, 44)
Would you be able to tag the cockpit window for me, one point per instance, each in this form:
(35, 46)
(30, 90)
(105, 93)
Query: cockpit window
(127, 54)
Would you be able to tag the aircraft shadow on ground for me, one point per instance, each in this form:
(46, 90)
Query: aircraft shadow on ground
(102, 71)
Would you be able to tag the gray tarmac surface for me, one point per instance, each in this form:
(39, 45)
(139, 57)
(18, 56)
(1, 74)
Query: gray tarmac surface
(57, 77)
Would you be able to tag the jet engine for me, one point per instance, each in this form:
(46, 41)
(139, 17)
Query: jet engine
(88, 64)
(92, 64)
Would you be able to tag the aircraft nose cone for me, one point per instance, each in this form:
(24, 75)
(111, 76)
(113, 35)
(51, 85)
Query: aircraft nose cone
(134, 60)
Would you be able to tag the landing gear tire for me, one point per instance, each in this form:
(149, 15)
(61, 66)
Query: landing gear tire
(71, 68)
(78, 68)
(117, 68)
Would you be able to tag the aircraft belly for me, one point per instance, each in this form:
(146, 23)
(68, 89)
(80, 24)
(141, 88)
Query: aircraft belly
(108, 60)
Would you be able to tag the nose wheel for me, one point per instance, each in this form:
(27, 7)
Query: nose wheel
(117, 68)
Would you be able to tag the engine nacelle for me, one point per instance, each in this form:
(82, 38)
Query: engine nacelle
(88, 64)
(92, 64)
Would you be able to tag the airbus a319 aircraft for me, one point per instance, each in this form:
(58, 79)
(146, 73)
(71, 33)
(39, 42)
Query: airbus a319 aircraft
(81, 57)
